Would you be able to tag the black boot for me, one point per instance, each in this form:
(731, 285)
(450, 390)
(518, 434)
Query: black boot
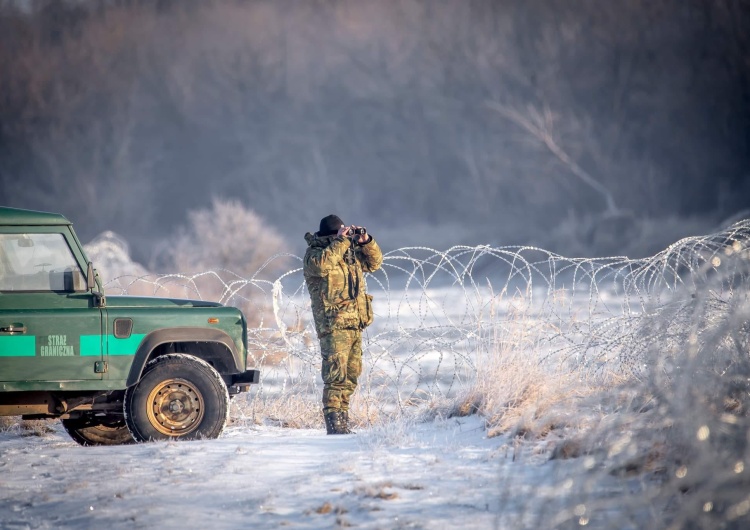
(334, 422)
(345, 421)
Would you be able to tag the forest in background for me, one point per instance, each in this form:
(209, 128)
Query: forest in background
(582, 126)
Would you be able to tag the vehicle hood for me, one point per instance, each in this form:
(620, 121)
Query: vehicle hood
(150, 301)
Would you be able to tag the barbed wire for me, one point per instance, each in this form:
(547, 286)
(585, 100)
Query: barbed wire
(440, 314)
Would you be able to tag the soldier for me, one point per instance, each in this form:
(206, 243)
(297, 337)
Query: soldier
(336, 259)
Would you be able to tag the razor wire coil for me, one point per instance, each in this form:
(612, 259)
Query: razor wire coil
(440, 314)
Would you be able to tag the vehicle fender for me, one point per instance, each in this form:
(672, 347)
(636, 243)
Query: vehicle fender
(181, 335)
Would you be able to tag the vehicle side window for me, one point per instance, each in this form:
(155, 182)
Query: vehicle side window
(38, 262)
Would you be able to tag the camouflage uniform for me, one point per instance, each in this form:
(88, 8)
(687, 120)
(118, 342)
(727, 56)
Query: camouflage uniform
(334, 268)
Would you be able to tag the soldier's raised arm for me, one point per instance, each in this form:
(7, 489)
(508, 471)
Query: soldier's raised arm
(370, 255)
(319, 261)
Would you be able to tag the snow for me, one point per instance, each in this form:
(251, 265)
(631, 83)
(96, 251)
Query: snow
(441, 474)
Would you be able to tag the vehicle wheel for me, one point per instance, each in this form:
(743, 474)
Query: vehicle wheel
(178, 397)
(96, 430)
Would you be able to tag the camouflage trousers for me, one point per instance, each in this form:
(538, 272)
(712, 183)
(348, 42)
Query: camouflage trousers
(342, 365)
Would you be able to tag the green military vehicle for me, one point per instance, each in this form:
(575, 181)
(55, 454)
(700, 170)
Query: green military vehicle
(114, 369)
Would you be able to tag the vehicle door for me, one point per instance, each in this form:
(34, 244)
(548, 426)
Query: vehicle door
(50, 327)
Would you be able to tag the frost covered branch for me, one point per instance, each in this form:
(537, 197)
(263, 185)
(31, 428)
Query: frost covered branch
(539, 125)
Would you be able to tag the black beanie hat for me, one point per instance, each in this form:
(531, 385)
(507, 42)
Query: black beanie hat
(330, 225)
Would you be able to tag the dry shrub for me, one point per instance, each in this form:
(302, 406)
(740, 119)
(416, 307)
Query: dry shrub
(8, 423)
(683, 429)
(110, 254)
(527, 399)
(290, 410)
(228, 236)
(372, 405)
(301, 408)
(699, 430)
(389, 431)
(517, 389)
(260, 358)
(39, 428)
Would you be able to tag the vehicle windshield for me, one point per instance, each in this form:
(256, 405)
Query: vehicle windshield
(38, 262)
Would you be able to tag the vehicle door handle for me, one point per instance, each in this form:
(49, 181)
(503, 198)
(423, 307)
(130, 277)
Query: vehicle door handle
(14, 328)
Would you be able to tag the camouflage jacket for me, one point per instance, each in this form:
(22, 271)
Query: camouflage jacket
(334, 270)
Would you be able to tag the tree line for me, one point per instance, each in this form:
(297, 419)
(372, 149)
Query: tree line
(440, 122)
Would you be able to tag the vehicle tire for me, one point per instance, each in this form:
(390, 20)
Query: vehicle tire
(179, 397)
(98, 430)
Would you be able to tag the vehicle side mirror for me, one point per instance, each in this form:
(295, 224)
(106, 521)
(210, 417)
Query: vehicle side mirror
(90, 278)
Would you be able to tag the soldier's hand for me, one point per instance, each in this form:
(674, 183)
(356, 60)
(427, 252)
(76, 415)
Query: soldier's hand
(343, 231)
(362, 238)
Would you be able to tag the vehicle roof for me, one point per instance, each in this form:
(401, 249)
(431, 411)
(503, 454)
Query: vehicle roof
(17, 216)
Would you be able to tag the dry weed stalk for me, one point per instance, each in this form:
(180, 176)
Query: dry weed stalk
(518, 389)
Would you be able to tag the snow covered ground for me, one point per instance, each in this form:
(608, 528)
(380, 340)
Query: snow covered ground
(444, 474)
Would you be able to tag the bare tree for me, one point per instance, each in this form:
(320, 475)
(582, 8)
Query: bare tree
(539, 125)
